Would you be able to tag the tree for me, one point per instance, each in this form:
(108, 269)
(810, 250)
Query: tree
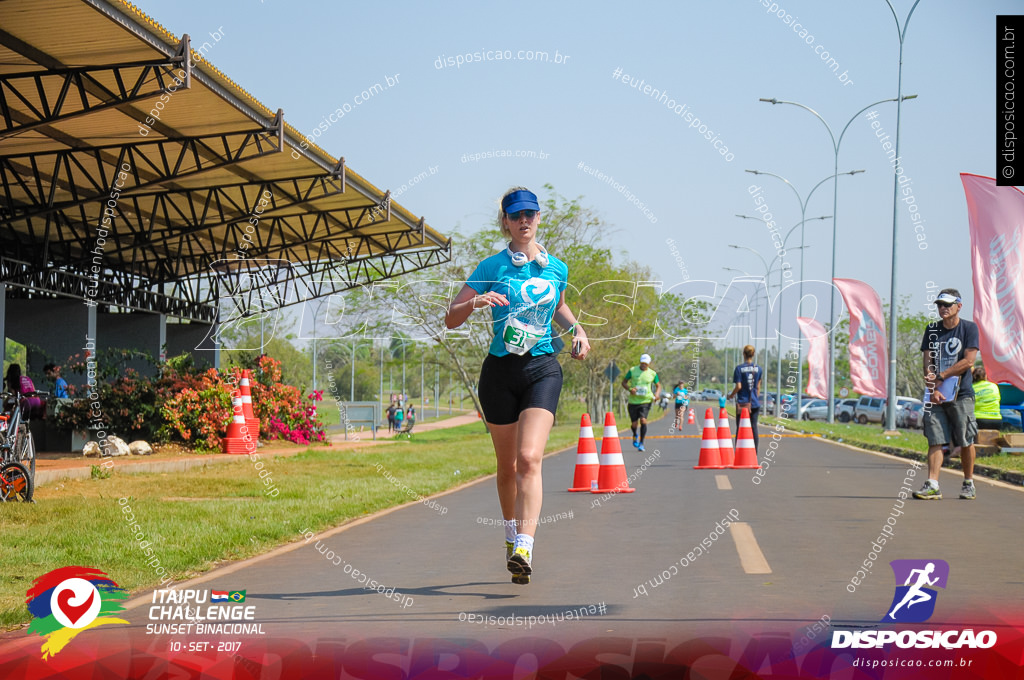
(617, 302)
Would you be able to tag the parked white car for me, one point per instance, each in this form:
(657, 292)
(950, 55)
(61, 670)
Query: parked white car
(815, 409)
(844, 410)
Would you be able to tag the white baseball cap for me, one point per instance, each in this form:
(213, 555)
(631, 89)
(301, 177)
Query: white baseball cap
(645, 358)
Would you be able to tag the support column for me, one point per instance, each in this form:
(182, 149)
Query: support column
(90, 324)
(162, 339)
(216, 339)
(3, 323)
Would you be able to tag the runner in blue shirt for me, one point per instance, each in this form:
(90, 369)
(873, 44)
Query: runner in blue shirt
(747, 378)
(682, 401)
(521, 378)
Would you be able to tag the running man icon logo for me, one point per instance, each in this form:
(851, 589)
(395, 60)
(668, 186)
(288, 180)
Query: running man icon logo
(914, 601)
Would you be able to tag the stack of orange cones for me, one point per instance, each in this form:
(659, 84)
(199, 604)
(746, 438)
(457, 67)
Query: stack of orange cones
(725, 440)
(709, 458)
(251, 421)
(746, 454)
(689, 418)
(611, 478)
(237, 439)
(587, 462)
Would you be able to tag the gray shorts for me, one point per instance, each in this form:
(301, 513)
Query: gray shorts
(951, 423)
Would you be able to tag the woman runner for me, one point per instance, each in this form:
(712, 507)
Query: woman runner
(520, 380)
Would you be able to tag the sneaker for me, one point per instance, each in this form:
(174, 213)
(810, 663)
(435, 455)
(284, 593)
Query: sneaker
(509, 547)
(967, 492)
(640, 446)
(521, 579)
(636, 442)
(519, 562)
(928, 492)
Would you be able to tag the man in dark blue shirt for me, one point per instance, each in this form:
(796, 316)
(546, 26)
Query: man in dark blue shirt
(950, 346)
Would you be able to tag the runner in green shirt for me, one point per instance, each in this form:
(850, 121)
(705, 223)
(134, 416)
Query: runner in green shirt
(644, 388)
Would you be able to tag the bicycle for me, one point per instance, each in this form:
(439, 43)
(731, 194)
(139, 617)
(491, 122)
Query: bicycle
(17, 449)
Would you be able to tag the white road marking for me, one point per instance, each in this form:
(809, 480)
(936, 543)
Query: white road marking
(722, 482)
(751, 557)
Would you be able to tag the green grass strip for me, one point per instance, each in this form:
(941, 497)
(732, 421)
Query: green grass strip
(203, 517)
(909, 444)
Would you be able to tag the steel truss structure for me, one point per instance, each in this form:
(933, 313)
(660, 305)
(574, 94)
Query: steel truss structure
(130, 181)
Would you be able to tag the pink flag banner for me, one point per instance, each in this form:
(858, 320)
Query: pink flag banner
(817, 358)
(868, 362)
(996, 217)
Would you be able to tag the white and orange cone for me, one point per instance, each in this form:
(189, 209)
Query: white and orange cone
(251, 421)
(237, 439)
(709, 458)
(725, 452)
(611, 478)
(689, 418)
(746, 454)
(587, 461)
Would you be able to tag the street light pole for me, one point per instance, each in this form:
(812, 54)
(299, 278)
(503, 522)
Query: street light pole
(803, 218)
(890, 407)
(836, 143)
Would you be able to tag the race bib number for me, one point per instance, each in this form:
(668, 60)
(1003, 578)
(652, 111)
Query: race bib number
(641, 391)
(520, 337)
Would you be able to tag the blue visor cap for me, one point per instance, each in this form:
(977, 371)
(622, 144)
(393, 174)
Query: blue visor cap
(520, 200)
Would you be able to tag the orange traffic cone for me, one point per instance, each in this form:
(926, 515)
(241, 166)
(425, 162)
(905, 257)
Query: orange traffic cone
(725, 440)
(252, 423)
(746, 454)
(709, 458)
(587, 462)
(237, 439)
(689, 418)
(611, 478)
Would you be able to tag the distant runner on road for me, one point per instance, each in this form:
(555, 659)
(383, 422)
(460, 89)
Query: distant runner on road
(682, 400)
(747, 387)
(521, 378)
(643, 386)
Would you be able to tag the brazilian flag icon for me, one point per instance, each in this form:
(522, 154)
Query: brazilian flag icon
(237, 596)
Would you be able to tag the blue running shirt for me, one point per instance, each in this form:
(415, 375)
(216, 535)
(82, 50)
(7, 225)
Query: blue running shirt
(533, 293)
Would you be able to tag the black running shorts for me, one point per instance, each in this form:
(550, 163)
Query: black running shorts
(638, 411)
(512, 383)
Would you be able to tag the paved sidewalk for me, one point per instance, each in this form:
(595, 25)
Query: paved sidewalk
(52, 468)
(454, 421)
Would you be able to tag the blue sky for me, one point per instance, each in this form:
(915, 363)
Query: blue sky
(716, 58)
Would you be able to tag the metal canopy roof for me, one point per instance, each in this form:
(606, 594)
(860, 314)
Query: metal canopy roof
(102, 199)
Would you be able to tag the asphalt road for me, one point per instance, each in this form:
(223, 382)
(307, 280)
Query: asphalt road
(617, 562)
